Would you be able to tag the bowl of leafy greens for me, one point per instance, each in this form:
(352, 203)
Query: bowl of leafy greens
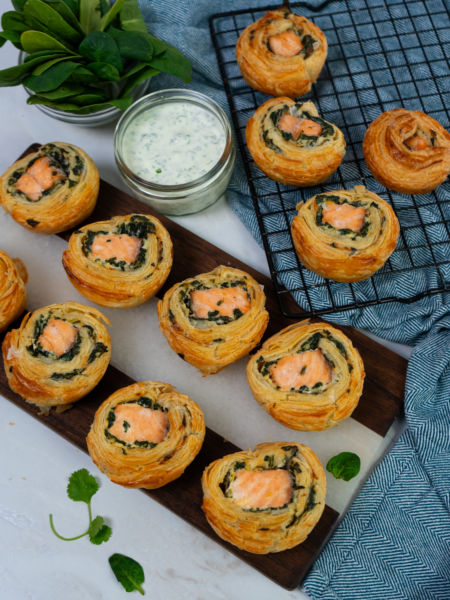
(84, 61)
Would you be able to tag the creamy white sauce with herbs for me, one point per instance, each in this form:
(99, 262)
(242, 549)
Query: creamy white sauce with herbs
(173, 143)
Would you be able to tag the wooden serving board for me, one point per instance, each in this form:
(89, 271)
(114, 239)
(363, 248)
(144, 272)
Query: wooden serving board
(379, 404)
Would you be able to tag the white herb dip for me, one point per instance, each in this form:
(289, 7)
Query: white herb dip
(173, 143)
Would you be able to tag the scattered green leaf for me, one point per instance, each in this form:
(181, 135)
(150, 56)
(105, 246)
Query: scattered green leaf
(128, 572)
(345, 465)
(82, 487)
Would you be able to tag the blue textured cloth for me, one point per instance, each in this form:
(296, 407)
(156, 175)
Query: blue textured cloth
(395, 541)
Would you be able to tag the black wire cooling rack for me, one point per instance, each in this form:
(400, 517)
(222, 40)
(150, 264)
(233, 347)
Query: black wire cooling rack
(383, 54)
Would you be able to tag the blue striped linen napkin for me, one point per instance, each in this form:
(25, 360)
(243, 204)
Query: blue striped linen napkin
(394, 543)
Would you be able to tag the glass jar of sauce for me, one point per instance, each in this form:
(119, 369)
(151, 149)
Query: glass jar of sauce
(175, 150)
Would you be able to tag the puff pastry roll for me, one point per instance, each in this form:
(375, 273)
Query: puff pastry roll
(58, 355)
(267, 500)
(407, 151)
(145, 435)
(308, 377)
(13, 297)
(119, 263)
(214, 319)
(345, 235)
(291, 144)
(52, 190)
(282, 54)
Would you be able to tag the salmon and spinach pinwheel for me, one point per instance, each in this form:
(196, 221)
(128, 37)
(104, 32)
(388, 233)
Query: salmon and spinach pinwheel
(52, 190)
(13, 297)
(119, 263)
(407, 151)
(308, 377)
(58, 355)
(145, 435)
(345, 235)
(214, 319)
(291, 144)
(265, 500)
(281, 54)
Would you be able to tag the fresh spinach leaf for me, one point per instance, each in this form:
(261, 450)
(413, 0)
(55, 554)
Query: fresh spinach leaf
(83, 75)
(132, 81)
(109, 17)
(345, 465)
(14, 75)
(68, 9)
(131, 18)
(45, 14)
(51, 78)
(87, 99)
(128, 572)
(105, 71)
(12, 36)
(18, 4)
(133, 44)
(90, 15)
(74, 6)
(35, 41)
(173, 63)
(44, 66)
(48, 54)
(66, 90)
(100, 47)
(14, 21)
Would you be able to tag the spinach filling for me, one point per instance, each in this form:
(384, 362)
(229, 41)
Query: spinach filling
(323, 198)
(145, 403)
(138, 226)
(311, 343)
(36, 349)
(214, 316)
(287, 464)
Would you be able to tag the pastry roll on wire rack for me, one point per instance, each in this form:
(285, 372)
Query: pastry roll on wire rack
(51, 190)
(58, 355)
(308, 377)
(13, 297)
(291, 144)
(345, 235)
(145, 435)
(281, 54)
(407, 151)
(119, 263)
(214, 319)
(265, 500)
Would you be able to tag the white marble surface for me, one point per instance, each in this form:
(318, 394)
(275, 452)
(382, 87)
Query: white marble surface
(178, 561)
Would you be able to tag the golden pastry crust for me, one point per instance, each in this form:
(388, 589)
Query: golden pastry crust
(154, 467)
(208, 344)
(127, 285)
(397, 166)
(305, 162)
(309, 409)
(278, 75)
(342, 254)
(62, 207)
(13, 297)
(269, 530)
(45, 380)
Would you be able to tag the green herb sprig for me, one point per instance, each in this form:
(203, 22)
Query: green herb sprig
(76, 50)
(345, 465)
(82, 486)
(128, 572)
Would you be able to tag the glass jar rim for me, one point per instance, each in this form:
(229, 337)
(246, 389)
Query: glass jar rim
(163, 97)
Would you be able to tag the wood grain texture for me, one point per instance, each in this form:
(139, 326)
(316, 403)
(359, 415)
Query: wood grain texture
(380, 403)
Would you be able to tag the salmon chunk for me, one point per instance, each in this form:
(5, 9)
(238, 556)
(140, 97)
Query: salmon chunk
(119, 246)
(262, 489)
(285, 44)
(344, 216)
(296, 370)
(40, 176)
(224, 300)
(297, 125)
(58, 337)
(416, 143)
(136, 423)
